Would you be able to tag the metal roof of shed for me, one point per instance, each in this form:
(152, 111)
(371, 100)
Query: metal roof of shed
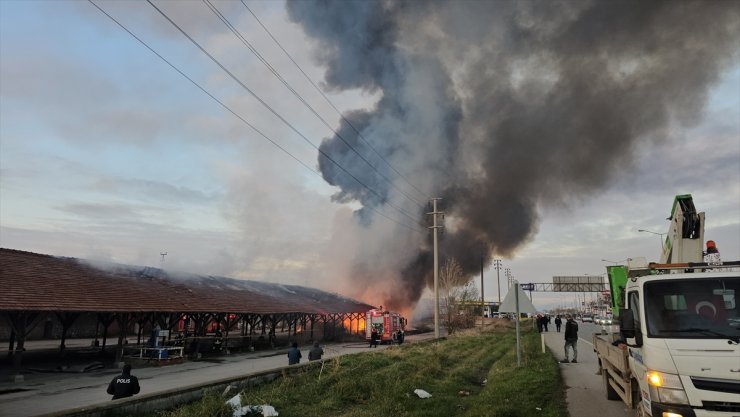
(37, 282)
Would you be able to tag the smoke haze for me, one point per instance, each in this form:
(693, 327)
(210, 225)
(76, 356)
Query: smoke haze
(502, 109)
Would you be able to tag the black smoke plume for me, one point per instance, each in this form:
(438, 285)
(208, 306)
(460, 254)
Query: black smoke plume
(506, 108)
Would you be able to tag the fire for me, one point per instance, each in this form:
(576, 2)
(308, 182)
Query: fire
(355, 325)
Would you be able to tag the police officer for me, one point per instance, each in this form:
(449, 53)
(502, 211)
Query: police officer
(124, 385)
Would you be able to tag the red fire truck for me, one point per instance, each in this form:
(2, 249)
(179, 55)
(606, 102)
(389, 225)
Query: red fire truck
(386, 323)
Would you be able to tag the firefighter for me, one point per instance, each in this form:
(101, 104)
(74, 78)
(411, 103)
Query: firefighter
(399, 336)
(374, 338)
(218, 342)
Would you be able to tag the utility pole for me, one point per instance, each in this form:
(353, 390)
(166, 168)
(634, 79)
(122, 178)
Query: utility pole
(163, 254)
(482, 298)
(434, 228)
(497, 265)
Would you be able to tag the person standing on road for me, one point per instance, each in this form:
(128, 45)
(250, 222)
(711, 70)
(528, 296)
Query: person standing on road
(571, 338)
(374, 338)
(124, 385)
(315, 353)
(558, 322)
(294, 354)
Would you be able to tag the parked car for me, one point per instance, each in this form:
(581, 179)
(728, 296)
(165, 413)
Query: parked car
(587, 318)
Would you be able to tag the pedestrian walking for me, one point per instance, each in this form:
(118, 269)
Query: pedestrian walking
(315, 353)
(558, 322)
(571, 338)
(294, 354)
(124, 385)
(545, 322)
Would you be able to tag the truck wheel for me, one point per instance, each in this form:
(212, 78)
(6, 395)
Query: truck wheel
(611, 393)
(640, 411)
(637, 400)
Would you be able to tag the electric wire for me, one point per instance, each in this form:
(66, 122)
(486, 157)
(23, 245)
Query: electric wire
(300, 98)
(227, 108)
(332, 104)
(276, 114)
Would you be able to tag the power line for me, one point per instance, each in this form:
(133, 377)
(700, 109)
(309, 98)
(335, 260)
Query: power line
(300, 98)
(227, 108)
(275, 113)
(332, 104)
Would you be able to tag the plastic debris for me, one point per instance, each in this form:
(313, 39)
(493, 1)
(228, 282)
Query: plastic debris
(236, 404)
(485, 381)
(235, 401)
(266, 410)
(463, 393)
(538, 409)
(421, 393)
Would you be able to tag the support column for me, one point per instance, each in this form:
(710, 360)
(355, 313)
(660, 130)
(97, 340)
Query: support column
(123, 322)
(66, 319)
(21, 323)
(106, 319)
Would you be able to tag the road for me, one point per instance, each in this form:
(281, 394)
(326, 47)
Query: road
(585, 390)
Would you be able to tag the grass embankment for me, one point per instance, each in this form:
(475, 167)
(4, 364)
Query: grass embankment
(383, 383)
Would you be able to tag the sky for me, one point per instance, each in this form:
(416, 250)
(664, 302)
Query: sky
(550, 135)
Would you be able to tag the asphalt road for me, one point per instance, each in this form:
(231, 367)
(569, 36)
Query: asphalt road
(585, 390)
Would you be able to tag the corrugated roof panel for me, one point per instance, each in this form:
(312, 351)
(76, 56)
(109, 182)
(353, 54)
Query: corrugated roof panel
(34, 281)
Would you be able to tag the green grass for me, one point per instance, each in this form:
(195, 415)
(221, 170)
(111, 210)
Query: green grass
(382, 383)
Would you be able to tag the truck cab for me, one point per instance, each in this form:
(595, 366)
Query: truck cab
(678, 351)
(683, 337)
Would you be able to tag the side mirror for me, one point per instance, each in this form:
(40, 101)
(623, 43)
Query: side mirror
(628, 329)
(626, 323)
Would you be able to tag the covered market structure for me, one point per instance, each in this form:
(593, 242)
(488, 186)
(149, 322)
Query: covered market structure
(128, 300)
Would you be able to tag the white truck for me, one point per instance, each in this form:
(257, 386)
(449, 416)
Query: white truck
(678, 350)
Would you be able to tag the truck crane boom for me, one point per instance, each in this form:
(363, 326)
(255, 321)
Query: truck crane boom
(685, 239)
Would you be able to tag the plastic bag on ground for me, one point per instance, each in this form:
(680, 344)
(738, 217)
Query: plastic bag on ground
(421, 393)
(236, 404)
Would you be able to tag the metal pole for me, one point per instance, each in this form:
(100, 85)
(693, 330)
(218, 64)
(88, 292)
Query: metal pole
(482, 298)
(436, 271)
(498, 279)
(518, 344)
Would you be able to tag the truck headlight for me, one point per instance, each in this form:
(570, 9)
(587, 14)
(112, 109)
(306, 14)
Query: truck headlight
(666, 388)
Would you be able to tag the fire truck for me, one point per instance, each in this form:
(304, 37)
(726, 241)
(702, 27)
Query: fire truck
(386, 323)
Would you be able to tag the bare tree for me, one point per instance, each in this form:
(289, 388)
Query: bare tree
(459, 296)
